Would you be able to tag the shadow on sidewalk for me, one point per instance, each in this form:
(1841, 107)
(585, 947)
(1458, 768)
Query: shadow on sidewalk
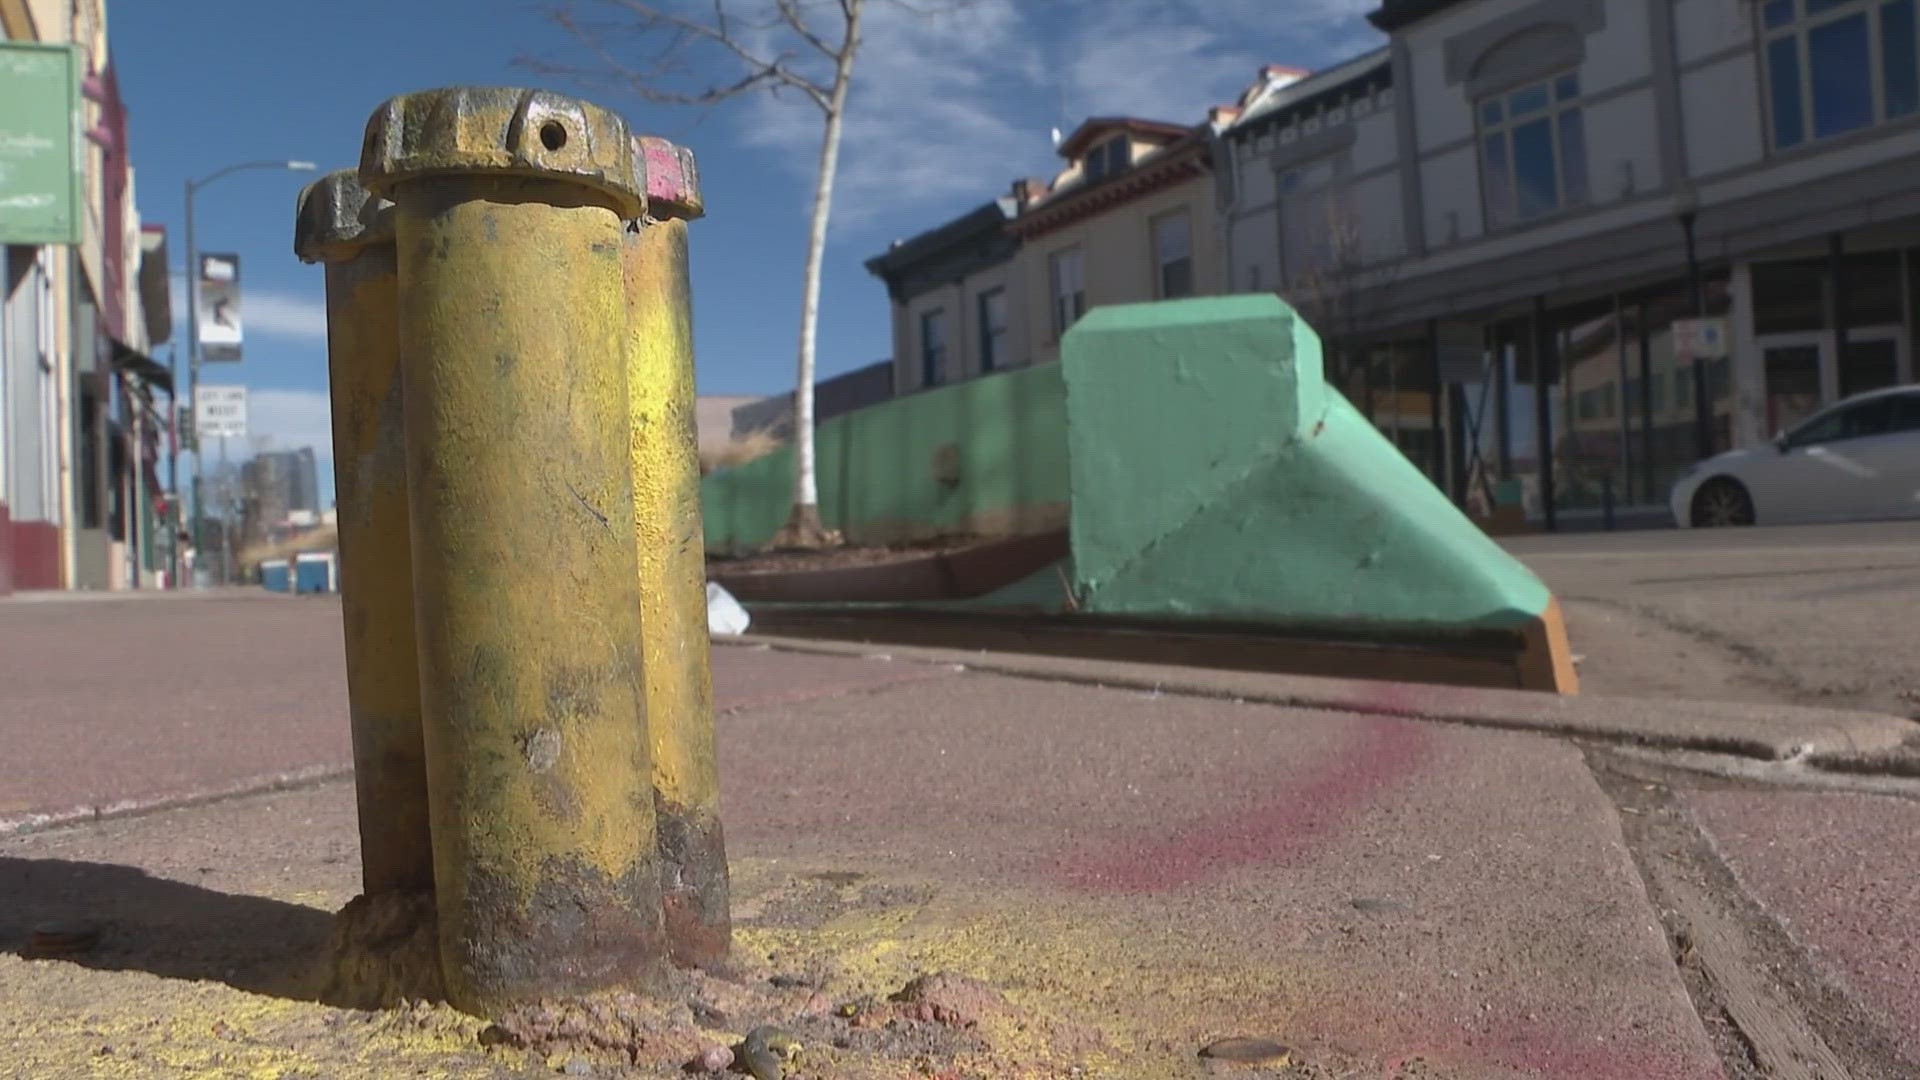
(120, 918)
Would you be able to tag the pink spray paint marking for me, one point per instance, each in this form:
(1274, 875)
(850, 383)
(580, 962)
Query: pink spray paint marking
(1276, 829)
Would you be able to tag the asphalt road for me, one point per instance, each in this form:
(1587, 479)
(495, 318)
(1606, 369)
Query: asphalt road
(1817, 615)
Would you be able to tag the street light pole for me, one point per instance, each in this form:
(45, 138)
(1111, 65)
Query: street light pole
(193, 337)
(1687, 208)
(1702, 408)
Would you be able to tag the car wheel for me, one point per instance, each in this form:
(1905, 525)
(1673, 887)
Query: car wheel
(1722, 503)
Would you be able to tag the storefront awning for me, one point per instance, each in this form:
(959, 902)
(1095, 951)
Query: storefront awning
(152, 372)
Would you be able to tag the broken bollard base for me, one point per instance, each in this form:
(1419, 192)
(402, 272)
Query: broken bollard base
(385, 951)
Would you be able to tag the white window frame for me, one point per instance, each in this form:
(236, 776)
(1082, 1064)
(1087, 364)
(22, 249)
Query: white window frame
(1108, 159)
(1062, 297)
(934, 355)
(1504, 127)
(1799, 28)
(993, 338)
(1161, 263)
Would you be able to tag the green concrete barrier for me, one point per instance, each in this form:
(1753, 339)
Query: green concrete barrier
(986, 457)
(1215, 472)
(1215, 480)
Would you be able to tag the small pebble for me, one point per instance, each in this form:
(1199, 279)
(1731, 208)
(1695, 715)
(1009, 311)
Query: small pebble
(714, 1059)
(1249, 1052)
(52, 939)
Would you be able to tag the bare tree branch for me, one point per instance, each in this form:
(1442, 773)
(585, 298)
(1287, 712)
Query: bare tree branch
(676, 34)
(679, 36)
(797, 20)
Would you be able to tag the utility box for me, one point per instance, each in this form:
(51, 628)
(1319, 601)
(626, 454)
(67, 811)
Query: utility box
(276, 575)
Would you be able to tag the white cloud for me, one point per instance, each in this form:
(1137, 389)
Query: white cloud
(285, 316)
(954, 106)
(1173, 59)
(926, 116)
(290, 419)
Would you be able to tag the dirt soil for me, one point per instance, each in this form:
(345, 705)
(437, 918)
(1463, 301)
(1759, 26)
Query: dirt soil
(838, 558)
(184, 966)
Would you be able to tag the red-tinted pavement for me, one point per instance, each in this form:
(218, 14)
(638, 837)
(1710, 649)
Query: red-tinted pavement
(1371, 889)
(1841, 873)
(111, 701)
(1393, 888)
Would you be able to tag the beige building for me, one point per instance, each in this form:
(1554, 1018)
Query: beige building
(1130, 219)
(83, 406)
(959, 308)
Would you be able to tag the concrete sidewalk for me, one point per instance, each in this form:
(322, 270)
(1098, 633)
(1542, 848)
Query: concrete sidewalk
(1139, 870)
(117, 704)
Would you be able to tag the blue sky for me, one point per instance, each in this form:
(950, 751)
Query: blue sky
(945, 113)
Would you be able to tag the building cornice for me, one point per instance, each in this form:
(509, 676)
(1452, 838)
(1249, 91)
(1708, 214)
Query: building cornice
(1391, 15)
(1189, 162)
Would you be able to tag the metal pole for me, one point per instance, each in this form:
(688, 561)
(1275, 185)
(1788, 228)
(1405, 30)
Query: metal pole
(672, 569)
(193, 386)
(1543, 410)
(193, 324)
(510, 214)
(1438, 460)
(226, 517)
(340, 226)
(173, 467)
(1702, 408)
(1644, 328)
(1625, 464)
(1836, 296)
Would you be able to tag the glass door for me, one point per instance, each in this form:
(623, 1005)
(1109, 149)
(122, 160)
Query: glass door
(1876, 357)
(1791, 366)
(1802, 371)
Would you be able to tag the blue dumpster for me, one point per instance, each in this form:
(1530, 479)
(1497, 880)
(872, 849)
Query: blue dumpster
(276, 575)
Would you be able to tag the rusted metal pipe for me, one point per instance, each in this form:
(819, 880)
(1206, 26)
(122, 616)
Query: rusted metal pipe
(510, 217)
(340, 225)
(672, 559)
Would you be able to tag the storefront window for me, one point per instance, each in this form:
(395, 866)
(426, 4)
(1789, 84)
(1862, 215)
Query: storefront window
(1835, 66)
(1592, 440)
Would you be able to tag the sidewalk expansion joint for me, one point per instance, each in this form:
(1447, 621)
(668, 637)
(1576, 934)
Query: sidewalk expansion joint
(1764, 1006)
(71, 817)
(1377, 699)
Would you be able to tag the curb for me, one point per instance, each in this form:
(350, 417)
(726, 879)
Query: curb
(126, 808)
(1768, 733)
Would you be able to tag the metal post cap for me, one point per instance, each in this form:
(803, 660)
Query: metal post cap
(337, 217)
(672, 178)
(501, 131)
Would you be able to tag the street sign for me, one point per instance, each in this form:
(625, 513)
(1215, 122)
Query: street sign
(1700, 339)
(40, 144)
(218, 315)
(220, 412)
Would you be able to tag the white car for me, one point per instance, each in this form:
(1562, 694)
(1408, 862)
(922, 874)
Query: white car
(1856, 460)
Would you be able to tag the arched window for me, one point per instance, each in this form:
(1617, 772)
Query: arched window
(1532, 134)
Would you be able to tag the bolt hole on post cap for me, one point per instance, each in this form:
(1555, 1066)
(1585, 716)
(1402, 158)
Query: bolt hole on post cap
(337, 217)
(671, 176)
(506, 132)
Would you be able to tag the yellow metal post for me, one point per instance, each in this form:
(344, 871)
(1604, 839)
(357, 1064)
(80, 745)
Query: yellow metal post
(673, 600)
(510, 212)
(340, 226)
